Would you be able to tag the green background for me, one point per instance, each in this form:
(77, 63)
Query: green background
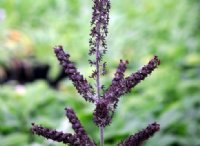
(138, 29)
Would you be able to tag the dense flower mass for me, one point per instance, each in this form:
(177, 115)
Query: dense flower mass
(66, 138)
(105, 100)
(119, 87)
(78, 128)
(122, 86)
(79, 82)
(99, 22)
(99, 31)
(80, 138)
(102, 113)
(138, 138)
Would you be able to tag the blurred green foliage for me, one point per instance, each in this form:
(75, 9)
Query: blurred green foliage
(138, 30)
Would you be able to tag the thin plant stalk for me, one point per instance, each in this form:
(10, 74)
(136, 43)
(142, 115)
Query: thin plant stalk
(102, 136)
(98, 84)
(97, 67)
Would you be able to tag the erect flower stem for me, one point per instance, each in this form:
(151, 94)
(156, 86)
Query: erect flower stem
(97, 65)
(98, 84)
(102, 135)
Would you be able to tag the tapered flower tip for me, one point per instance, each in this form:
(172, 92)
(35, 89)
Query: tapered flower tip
(155, 126)
(36, 129)
(138, 138)
(124, 62)
(156, 60)
(60, 52)
(33, 129)
(58, 48)
(69, 111)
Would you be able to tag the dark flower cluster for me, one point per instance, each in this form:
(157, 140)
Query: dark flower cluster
(79, 82)
(138, 138)
(103, 113)
(99, 31)
(66, 138)
(119, 87)
(99, 22)
(80, 138)
(78, 128)
(105, 100)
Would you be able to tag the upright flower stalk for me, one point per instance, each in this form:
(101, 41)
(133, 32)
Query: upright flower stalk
(105, 100)
(98, 45)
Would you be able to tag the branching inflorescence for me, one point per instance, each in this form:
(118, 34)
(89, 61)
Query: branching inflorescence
(105, 100)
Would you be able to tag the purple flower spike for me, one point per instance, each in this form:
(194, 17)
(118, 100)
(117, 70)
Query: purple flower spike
(78, 128)
(105, 99)
(119, 75)
(99, 22)
(138, 138)
(79, 82)
(99, 31)
(119, 87)
(123, 86)
(66, 138)
(135, 78)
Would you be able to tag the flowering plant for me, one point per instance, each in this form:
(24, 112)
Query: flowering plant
(105, 100)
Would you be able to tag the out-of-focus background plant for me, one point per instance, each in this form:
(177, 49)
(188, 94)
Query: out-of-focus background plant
(138, 30)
